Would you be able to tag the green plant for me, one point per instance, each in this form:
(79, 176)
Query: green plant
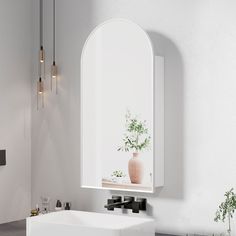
(118, 173)
(226, 209)
(136, 137)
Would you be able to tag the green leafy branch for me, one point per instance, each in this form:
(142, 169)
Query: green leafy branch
(118, 173)
(136, 137)
(226, 209)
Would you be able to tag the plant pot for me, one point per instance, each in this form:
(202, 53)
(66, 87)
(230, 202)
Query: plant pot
(135, 169)
(118, 180)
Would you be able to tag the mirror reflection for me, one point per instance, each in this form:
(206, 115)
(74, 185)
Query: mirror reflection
(117, 108)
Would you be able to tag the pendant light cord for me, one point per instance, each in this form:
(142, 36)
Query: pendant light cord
(41, 23)
(54, 31)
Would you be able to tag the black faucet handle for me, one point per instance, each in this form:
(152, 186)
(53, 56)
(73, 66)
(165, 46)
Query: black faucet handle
(135, 207)
(130, 200)
(110, 201)
(114, 199)
(142, 203)
(139, 204)
(117, 198)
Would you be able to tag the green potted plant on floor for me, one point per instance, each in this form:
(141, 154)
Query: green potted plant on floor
(226, 209)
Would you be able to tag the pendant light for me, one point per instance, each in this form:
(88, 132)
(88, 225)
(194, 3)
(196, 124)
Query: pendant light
(40, 85)
(41, 50)
(54, 66)
(40, 93)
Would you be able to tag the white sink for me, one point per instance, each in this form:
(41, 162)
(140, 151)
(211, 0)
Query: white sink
(80, 223)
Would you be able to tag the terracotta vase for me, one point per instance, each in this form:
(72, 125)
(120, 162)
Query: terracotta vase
(135, 169)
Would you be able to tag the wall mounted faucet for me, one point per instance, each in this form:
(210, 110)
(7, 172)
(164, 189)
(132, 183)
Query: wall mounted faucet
(138, 204)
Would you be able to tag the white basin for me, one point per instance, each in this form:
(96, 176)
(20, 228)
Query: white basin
(80, 223)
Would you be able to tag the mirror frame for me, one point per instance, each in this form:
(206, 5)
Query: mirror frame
(154, 177)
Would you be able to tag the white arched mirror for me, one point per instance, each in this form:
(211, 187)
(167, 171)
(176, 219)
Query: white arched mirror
(117, 108)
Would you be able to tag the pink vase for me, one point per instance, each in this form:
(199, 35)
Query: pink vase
(135, 169)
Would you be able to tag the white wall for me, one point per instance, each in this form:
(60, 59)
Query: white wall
(15, 106)
(198, 41)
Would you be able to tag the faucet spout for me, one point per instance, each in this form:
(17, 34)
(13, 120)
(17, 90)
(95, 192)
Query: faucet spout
(111, 206)
(116, 202)
(128, 203)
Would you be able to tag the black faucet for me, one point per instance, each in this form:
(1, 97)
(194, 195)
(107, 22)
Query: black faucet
(128, 203)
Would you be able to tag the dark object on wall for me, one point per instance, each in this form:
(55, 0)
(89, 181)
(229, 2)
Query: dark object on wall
(140, 204)
(2, 157)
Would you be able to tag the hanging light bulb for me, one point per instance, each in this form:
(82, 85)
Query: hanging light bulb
(40, 86)
(54, 70)
(41, 48)
(54, 66)
(41, 55)
(40, 93)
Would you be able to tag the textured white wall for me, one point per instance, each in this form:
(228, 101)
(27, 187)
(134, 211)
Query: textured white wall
(15, 108)
(198, 41)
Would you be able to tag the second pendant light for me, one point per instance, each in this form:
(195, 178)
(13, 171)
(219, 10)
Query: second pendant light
(54, 66)
(40, 85)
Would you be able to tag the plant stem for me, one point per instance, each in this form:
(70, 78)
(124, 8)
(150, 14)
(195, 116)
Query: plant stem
(137, 137)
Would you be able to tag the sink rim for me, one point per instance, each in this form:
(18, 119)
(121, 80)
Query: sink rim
(121, 219)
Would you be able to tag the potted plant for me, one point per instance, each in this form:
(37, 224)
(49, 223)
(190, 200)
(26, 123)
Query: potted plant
(226, 209)
(136, 139)
(118, 176)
